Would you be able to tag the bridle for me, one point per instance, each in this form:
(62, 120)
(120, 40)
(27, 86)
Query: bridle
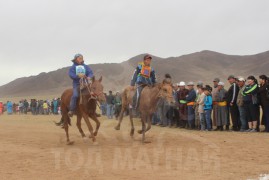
(93, 96)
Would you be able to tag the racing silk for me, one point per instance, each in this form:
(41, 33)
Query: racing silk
(143, 75)
(77, 69)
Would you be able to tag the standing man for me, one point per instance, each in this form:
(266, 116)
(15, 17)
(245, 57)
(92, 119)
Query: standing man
(190, 103)
(240, 104)
(215, 97)
(197, 116)
(222, 108)
(117, 104)
(183, 109)
(231, 102)
(110, 103)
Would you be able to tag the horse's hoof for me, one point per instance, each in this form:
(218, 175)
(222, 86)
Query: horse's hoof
(95, 143)
(146, 142)
(117, 128)
(139, 131)
(85, 139)
(70, 143)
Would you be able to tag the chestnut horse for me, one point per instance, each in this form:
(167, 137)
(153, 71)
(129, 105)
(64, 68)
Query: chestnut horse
(148, 103)
(86, 107)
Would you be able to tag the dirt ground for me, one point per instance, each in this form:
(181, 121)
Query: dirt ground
(32, 147)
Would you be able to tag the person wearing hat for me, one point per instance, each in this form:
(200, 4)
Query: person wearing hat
(240, 103)
(197, 118)
(232, 94)
(144, 75)
(77, 71)
(190, 98)
(264, 95)
(183, 108)
(250, 96)
(222, 108)
(215, 96)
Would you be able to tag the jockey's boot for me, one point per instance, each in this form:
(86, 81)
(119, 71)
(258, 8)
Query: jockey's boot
(70, 113)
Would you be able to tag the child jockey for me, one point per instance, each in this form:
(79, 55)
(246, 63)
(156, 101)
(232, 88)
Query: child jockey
(77, 71)
(144, 75)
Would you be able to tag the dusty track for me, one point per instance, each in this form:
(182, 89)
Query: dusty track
(32, 147)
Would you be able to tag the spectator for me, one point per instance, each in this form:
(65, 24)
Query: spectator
(208, 107)
(45, 108)
(117, 105)
(251, 103)
(55, 106)
(264, 95)
(9, 107)
(26, 106)
(215, 97)
(21, 107)
(232, 94)
(190, 104)
(197, 117)
(222, 108)
(240, 104)
(200, 103)
(183, 111)
(1, 107)
(110, 102)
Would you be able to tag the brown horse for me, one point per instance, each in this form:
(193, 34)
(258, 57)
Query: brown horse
(148, 103)
(86, 107)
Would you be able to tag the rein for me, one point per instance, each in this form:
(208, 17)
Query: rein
(83, 82)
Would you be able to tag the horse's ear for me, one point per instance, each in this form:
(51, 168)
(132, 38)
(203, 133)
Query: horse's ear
(100, 79)
(93, 78)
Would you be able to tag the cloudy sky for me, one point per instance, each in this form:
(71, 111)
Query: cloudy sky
(43, 35)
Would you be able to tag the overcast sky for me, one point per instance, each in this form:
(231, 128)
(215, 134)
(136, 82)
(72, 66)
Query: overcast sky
(43, 35)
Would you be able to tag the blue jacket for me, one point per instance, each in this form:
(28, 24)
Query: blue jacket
(191, 96)
(73, 72)
(208, 102)
(138, 79)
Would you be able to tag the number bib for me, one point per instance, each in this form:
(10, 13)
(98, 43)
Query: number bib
(145, 71)
(80, 70)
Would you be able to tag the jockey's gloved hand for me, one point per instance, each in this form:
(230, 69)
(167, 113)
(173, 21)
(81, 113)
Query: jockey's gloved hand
(81, 75)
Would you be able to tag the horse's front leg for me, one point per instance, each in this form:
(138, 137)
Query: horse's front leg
(93, 116)
(120, 117)
(85, 117)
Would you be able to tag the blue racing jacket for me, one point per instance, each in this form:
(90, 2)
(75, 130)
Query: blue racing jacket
(79, 69)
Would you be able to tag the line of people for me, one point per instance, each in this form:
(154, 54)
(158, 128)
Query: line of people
(35, 107)
(206, 107)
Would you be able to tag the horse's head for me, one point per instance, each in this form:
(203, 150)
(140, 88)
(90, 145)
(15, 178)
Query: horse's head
(97, 89)
(166, 91)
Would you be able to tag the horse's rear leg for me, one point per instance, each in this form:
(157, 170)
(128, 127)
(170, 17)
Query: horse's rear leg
(79, 126)
(149, 119)
(85, 117)
(97, 124)
(143, 120)
(132, 123)
(66, 124)
(120, 117)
